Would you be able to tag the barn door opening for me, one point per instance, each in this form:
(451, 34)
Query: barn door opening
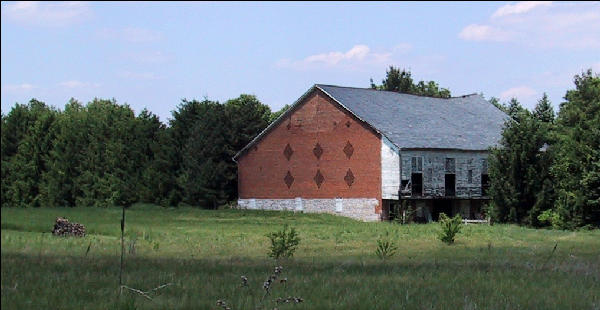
(441, 206)
(450, 184)
(417, 184)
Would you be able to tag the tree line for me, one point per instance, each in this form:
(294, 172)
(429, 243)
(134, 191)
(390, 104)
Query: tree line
(101, 153)
(545, 170)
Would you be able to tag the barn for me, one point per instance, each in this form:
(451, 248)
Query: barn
(360, 153)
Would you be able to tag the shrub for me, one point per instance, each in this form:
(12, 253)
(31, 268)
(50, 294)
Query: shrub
(450, 227)
(551, 217)
(385, 247)
(283, 242)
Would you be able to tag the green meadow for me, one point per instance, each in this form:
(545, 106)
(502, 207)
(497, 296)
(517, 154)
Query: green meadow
(202, 254)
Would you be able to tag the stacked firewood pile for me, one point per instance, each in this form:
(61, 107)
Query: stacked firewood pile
(62, 227)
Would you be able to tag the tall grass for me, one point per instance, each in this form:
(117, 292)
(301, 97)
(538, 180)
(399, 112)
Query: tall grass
(205, 252)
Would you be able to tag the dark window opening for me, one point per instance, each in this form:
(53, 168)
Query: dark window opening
(450, 185)
(417, 164)
(485, 184)
(470, 176)
(417, 184)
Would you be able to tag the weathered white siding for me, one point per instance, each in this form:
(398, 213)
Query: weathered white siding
(433, 169)
(390, 169)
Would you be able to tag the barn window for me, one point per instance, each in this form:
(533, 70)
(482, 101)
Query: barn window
(485, 184)
(470, 176)
(417, 164)
(450, 184)
(417, 184)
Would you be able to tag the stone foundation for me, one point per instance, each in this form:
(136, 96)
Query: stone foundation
(357, 208)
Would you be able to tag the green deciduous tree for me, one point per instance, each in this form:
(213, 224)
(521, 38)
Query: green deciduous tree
(401, 81)
(59, 187)
(577, 163)
(27, 132)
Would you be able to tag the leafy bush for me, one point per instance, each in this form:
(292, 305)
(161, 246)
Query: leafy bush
(551, 217)
(283, 242)
(450, 227)
(385, 247)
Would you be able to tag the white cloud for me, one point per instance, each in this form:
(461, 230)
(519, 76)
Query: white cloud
(519, 8)
(53, 14)
(77, 84)
(131, 34)
(358, 55)
(573, 26)
(476, 32)
(24, 87)
(520, 92)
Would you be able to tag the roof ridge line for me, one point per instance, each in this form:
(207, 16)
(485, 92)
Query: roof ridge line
(396, 92)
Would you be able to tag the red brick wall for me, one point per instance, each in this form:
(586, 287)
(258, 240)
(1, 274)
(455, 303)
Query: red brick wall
(317, 119)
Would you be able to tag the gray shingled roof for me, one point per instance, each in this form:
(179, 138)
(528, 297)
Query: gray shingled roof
(409, 121)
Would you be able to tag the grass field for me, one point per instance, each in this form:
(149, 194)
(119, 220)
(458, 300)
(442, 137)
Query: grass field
(204, 253)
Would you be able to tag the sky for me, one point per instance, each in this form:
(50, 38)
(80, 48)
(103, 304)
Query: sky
(154, 54)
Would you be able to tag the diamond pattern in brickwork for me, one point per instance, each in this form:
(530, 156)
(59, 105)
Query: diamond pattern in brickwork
(288, 179)
(348, 150)
(318, 151)
(349, 178)
(288, 152)
(319, 178)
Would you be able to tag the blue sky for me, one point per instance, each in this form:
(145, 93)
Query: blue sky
(154, 54)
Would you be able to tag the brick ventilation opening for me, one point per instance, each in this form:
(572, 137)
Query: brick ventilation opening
(288, 152)
(288, 179)
(289, 126)
(318, 151)
(348, 150)
(349, 178)
(348, 124)
(319, 178)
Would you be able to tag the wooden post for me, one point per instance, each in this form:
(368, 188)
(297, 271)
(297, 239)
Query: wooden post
(122, 251)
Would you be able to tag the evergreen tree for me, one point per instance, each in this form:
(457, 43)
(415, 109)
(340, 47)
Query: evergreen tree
(203, 173)
(519, 169)
(148, 129)
(543, 111)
